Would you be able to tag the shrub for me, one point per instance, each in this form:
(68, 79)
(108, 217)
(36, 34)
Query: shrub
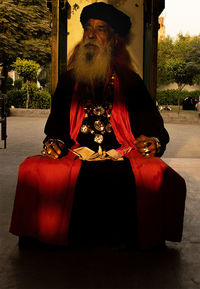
(18, 83)
(16, 98)
(9, 83)
(170, 96)
(40, 99)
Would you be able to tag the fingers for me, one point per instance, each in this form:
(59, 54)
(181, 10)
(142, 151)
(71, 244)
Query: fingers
(145, 145)
(52, 149)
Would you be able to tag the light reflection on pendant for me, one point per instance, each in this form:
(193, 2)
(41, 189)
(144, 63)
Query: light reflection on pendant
(99, 125)
(84, 128)
(109, 128)
(98, 110)
(98, 138)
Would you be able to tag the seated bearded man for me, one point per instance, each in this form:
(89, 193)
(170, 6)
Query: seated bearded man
(100, 178)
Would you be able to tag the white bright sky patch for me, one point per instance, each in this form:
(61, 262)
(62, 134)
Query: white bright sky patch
(182, 16)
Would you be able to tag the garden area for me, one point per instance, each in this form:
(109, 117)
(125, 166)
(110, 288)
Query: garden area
(179, 63)
(25, 53)
(25, 36)
(27, 91)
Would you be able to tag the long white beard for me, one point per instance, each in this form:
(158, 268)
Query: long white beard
(90, 64)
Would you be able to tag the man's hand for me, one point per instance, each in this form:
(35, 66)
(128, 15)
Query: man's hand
(53, 148)
(145, 145)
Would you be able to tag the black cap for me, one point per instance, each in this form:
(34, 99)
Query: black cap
(119, 21)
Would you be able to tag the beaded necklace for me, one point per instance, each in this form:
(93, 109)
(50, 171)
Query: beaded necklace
(97, 115)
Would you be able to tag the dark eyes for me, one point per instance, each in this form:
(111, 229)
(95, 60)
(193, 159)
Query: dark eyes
(89, 29)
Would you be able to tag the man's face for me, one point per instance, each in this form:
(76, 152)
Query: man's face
(96, 34)
(94, 55)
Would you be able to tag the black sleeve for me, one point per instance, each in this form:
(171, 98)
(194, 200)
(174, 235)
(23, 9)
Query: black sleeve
(144, 116)
(58, 122)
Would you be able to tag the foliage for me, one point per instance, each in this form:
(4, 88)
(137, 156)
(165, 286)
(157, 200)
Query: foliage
(44, 77)
(9, 83)
(27, 69)
(24, 32)
(170, 96)
(178, 61)
(180, 72)
(16, 98)
(165, 53)
(39, 99)
(193, 58)
(18, 83)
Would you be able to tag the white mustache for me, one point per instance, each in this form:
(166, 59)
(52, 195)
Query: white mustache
(92, 63)
(91, 43)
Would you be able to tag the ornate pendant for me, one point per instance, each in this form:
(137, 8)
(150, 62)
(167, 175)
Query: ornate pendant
(98, 138)
(84, 128)
(98, 110)
(99, 125)
(109, 128)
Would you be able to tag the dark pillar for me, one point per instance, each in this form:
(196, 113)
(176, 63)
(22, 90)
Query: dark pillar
(64, 8)
(60, 12)
(152, 10)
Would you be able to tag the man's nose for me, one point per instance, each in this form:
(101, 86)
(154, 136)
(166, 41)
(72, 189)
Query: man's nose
(92, 34)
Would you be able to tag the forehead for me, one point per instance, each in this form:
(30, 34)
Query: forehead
(97, 23)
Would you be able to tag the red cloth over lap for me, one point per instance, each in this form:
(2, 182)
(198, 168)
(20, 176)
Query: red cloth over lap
(160, 199)
(44, 198)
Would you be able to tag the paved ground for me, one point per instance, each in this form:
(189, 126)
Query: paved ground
(176, 268)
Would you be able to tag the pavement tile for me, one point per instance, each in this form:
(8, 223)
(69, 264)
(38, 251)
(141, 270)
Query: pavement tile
(176, 268)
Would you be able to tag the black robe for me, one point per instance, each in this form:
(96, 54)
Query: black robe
(104, 207)
(143, 114)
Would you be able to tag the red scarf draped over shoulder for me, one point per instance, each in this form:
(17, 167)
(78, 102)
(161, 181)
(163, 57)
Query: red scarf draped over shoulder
(119, 116)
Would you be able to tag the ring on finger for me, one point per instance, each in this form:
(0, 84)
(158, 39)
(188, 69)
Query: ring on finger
(146, 150)
(51, 141)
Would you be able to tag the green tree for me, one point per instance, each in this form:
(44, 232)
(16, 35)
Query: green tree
(178, 61)
(27, 69)
(181, 73)
(165, 53)
(24, 32)
(193, 58)
(37, 44)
